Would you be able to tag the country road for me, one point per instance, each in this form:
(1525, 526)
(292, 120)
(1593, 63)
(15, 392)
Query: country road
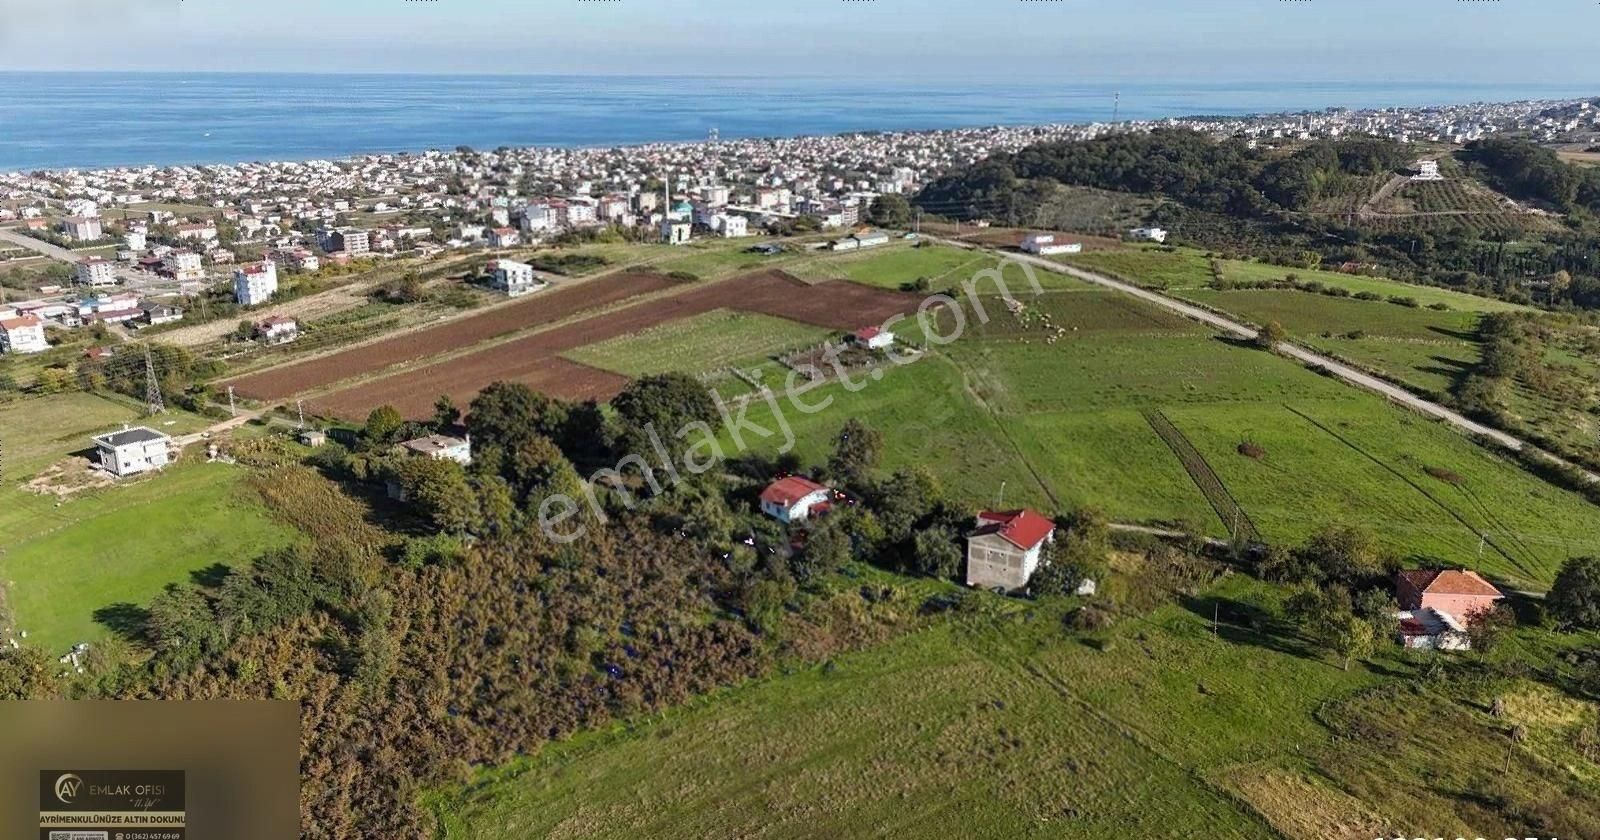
(53, 251)
(1342, 371)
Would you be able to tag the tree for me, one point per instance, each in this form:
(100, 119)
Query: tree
(1271, 335)
(445, 413)
(666, 404)
(508, 414)
(437, 489)
(1486, 627)
(1560, 283)
(902, 500)
(827, 550)
(1574, 598)
(382, 427)
(182, 628)
(26, 674)
(1325, 616)
(856, 452)
(1352, 637)
(1343, 554)
(937, 553)
(890, 210)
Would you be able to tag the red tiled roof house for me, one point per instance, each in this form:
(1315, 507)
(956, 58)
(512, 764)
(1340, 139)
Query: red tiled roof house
(793, 499)
(1460, 593)
(1004, 550)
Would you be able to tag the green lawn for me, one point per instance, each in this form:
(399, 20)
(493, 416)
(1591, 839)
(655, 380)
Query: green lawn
(123, 544)
(700, 343)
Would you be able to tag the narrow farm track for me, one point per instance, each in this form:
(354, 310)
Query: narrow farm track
(1227, 507)
(1339, 370)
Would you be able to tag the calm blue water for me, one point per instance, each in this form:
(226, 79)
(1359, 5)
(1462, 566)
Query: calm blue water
(54, 120)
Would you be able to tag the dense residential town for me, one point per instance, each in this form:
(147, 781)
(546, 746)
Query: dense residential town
(298, 216)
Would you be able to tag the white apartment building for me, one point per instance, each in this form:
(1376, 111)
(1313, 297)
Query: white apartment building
(184, 265)
(513, 278)
(256, 283)
(83, 228)
(96, 271)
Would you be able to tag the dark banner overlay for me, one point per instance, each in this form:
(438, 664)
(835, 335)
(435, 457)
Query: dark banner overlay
(147, 770)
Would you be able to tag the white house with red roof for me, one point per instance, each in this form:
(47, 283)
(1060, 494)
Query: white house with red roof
(23, 334)
(278, 330)
(1438, 605)
(873, 338)
(1004, 550)
(794, 499)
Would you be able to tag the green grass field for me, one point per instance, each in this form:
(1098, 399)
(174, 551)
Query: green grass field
(1147, 266)
(699, 344)
(62, 560)
(123, 544)
(1424, 348)
(1189, 269)
(900, 264)
(1011, 727)
(1050, 402)
(953, 731)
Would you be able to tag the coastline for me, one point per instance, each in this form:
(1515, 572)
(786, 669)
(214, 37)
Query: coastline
(223, 119)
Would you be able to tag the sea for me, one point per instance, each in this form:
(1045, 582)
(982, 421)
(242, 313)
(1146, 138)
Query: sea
(92, 120)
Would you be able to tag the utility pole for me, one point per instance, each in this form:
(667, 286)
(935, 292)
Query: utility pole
(1000, 499)
(918, 227)
(233, 410)
(1116, 107)
(152, 389)
(300, 406)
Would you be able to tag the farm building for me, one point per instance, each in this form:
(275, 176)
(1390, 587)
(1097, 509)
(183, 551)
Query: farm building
(1436, 606)
(1045, 244)
(132, 451)
(1149, 234)
(441, 448)
(794, 499)
(1004, 550)
(873, 338)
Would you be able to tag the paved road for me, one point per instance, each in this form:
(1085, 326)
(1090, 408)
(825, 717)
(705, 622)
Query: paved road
(1349, 374)
(53, 251)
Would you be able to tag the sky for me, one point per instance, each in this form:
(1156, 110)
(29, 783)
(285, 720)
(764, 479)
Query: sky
(1032, 41)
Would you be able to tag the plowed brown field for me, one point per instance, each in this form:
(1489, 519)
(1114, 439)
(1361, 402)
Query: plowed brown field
(534, 359)
(539, 308)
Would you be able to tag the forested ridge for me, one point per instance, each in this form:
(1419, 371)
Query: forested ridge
(1255, 201)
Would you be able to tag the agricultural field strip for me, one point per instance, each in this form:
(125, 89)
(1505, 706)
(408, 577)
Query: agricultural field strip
(833, 305)
(390, 353)
(1233, 517)
(1349, 374)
